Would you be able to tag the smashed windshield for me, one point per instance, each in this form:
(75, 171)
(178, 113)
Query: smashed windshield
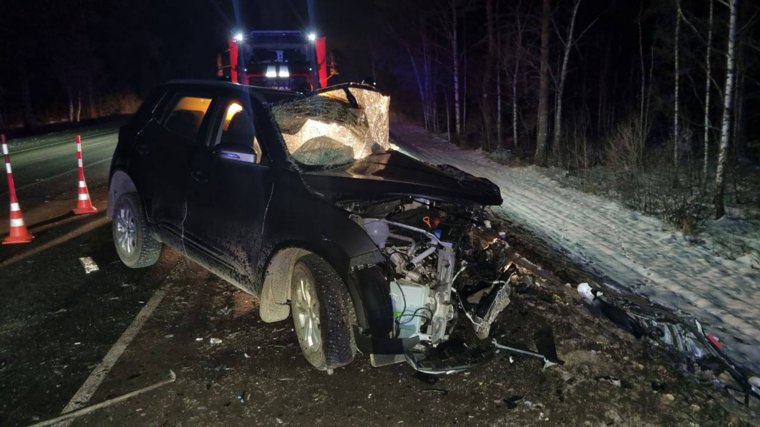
(329, 129)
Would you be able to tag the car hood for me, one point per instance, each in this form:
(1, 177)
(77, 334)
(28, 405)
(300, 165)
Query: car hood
(393, 173)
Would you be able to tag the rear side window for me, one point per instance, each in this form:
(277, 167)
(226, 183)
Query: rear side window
(145, 112)
(186, 117)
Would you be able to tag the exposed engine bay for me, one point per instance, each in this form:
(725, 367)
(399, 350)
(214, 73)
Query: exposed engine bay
(445, 265)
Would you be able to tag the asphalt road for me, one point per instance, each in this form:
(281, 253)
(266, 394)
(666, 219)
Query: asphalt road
(70, 339)
(45, 172)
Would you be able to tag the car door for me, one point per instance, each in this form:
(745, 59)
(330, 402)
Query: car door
(227, 192)
(164, 149)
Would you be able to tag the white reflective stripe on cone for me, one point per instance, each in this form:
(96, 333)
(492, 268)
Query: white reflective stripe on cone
(15, 207)
(8, 168)
(84, 197)
(79, 147)
(5, 149)
(79, 162)
(82, 184)
(17, 222)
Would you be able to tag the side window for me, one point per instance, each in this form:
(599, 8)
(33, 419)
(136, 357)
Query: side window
(238, 128)
(187, 115)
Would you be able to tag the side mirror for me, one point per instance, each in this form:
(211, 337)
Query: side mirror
(236, 152)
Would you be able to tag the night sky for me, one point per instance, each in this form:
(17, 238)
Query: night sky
(112, 52)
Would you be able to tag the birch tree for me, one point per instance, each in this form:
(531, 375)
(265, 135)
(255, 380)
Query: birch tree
(725, 130)
(455, 69)
(485, 107)
(516, 72)
(543, 92)
(708, 77)
(676, 82)
(561, 86)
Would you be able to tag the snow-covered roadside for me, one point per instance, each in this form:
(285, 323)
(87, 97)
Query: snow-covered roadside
(634, 251)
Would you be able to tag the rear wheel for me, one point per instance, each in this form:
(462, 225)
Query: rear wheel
(133, 242)
(322, 312)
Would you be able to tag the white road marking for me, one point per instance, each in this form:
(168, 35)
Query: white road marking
(91, 384)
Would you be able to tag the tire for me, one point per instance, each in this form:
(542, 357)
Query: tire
(129, 228)
(328, 343)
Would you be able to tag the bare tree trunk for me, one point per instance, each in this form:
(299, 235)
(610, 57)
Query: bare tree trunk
(448, 116)
(518, 56)
(543, 94)
(499, 141)
(464, 89)
(643, 82)
(675, 94)
(643, 105)
(725, 131)
(708, 76)
(515, 141)
(79, 106)
(70, 96)
(562, 75)
(455, 66)
(740, 143)
(485, 108)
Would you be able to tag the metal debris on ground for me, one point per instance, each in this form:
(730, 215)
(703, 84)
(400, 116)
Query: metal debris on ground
(89, 264)
(547, 362)
(682, 337)
(106, 403)
(214, 341)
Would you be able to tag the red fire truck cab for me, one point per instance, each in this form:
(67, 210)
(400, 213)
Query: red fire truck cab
(291, 60)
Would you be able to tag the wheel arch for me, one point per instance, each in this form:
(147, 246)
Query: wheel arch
(278, 270)
(366, 282)
(120, 184)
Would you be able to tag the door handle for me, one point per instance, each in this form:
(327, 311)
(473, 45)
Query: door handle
(199, 177)
(142, 149)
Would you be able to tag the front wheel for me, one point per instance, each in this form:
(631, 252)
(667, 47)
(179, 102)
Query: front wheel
(322, 312)
(134, 244)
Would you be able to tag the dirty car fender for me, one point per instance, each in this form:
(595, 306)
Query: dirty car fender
(297, 218)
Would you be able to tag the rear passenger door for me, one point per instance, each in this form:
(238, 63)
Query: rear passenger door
(164, 149)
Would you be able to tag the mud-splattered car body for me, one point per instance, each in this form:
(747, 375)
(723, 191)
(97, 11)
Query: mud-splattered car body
(409, 240)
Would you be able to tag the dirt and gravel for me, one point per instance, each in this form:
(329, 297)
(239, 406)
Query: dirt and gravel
(257, 374)
(57, 323)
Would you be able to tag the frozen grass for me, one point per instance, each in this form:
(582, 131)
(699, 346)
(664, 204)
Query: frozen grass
(714, 276)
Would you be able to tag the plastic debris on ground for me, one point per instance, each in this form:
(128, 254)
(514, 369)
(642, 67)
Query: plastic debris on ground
(683, 337)
(89, 264)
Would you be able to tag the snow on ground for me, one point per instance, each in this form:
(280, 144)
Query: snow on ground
(707, 279)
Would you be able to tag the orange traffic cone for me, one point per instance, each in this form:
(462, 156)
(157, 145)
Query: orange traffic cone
(84, 204)
(18, 231)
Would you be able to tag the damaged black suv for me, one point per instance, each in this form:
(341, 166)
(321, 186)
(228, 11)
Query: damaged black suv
(300, 200)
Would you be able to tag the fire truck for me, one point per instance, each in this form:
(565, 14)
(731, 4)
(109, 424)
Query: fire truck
(289, 60)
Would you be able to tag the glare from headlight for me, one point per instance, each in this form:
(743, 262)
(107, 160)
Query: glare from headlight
(271, 72)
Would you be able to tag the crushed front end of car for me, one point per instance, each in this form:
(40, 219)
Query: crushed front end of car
(447, 272)
(449, 277)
